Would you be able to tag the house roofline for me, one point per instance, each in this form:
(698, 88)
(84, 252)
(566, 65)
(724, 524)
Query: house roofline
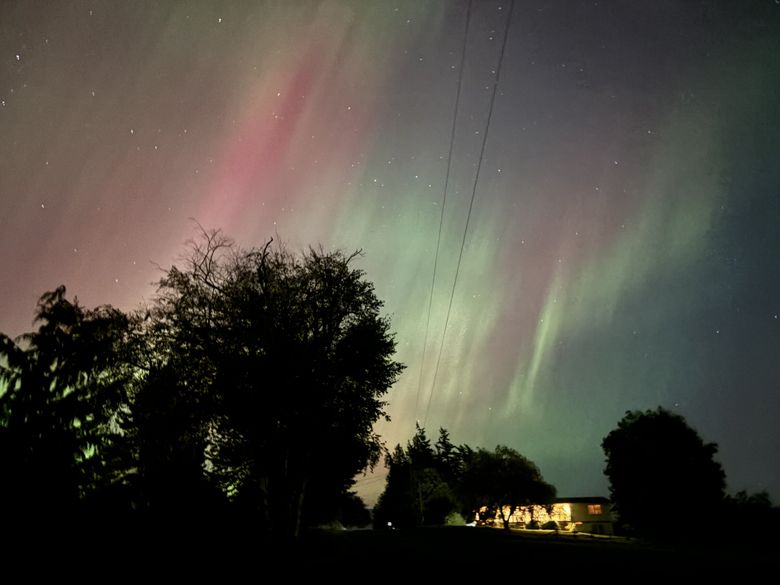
(582, 500)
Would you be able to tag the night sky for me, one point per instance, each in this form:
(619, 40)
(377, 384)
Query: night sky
(623, 246)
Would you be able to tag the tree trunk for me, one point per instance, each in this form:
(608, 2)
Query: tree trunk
(296, 509)
(265, 503)
(508, 516)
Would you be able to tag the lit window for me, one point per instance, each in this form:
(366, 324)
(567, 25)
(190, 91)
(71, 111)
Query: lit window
(594, 509)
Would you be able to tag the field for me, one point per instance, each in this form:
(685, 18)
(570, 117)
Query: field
(349, 556)
(461, 550)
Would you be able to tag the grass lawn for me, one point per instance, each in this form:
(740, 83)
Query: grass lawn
(454, 550)
(230, 554)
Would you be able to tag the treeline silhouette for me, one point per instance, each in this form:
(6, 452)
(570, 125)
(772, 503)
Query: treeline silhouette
(247, 389)
(446, 483)
(666, 484)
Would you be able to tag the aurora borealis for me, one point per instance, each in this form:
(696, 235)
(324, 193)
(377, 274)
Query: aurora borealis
(623, 247)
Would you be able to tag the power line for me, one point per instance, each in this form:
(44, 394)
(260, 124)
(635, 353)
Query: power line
(471, 204)
(444, 201)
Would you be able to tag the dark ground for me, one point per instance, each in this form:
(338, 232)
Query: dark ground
(459, 550)
(356, 556)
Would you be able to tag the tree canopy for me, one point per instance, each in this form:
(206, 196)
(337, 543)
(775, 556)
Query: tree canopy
(60, 387)
(251, 382)
(420, 483)
(426, 483)
(657, 467)
(292, 358)
(501, 480)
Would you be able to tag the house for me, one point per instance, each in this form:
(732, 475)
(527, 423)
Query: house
(591, 514)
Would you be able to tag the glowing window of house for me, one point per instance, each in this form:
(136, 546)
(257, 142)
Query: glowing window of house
(594, 509)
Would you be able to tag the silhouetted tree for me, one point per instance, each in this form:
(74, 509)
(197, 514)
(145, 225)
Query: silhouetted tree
(292, 357)
(500, 481)
(425, 483)
(752, 514)
(759, 501)
(416, 492)
(60, 390)
(398, 504)
(353, 511)
(329, 499)
(448, 458)
(657, 466)
(167, 436)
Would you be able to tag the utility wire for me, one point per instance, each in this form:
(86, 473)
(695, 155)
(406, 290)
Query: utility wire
(471, 204)
(443, 202)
